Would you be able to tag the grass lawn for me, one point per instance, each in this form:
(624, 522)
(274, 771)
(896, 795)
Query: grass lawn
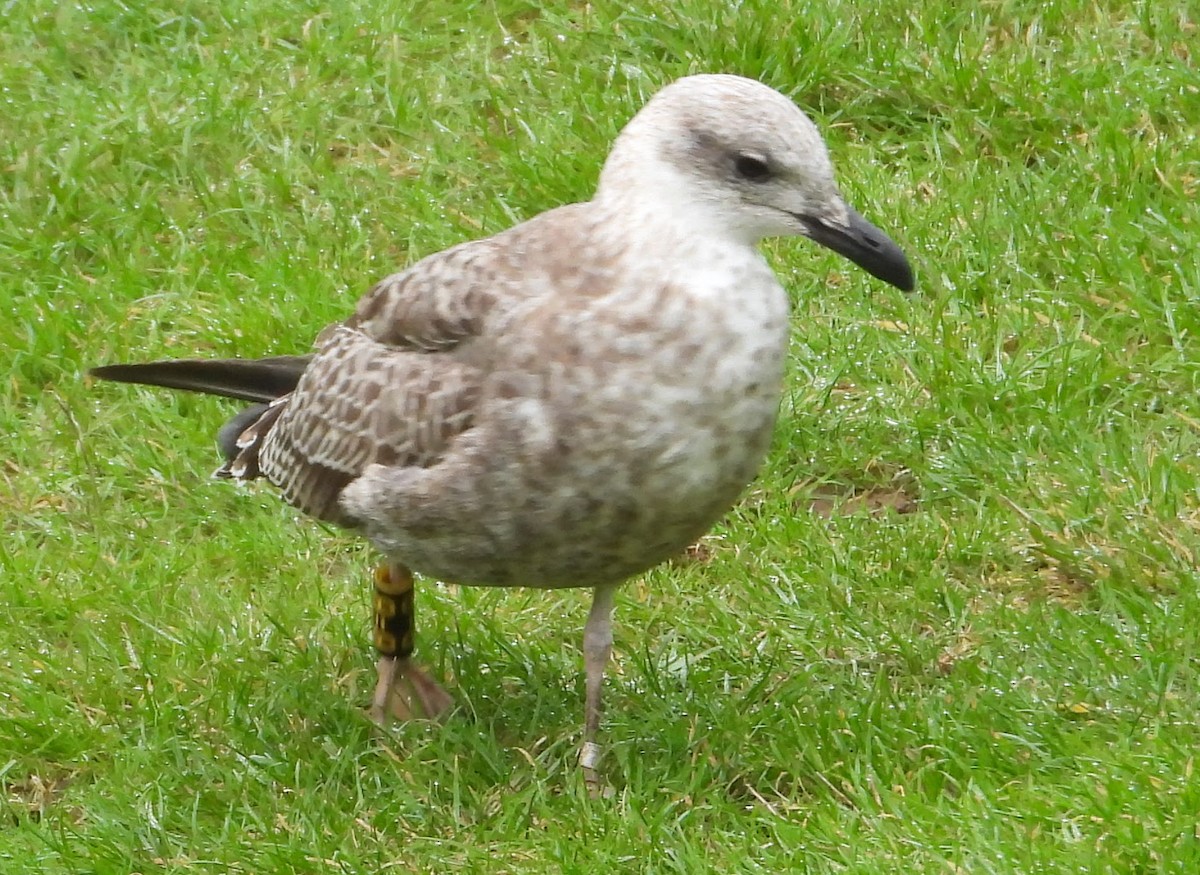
(954, 626)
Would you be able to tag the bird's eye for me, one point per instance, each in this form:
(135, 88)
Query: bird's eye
(751, 167)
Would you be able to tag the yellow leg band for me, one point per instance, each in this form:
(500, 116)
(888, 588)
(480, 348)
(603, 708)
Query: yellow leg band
(393, 608)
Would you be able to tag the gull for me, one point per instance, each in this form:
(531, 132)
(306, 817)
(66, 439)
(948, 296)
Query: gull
(564, 404)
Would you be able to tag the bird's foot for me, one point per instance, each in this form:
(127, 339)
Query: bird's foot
(406, 692)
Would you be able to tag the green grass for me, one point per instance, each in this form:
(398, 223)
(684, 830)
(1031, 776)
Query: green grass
(1003, 678)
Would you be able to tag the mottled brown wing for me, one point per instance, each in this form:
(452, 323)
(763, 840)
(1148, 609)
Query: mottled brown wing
(359, 403)
(387, 386)
(400, 379)
(435, 304)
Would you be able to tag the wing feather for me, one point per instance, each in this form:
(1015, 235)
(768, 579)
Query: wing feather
(389, 386)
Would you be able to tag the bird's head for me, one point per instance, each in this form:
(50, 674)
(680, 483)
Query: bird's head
(734, 157)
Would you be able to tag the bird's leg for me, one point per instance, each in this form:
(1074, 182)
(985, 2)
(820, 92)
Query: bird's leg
(403, 690)
(597, 648)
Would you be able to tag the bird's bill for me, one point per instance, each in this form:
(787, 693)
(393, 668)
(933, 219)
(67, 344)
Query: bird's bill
(864, 244)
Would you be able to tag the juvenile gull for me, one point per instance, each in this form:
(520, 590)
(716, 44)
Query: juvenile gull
(569, 402)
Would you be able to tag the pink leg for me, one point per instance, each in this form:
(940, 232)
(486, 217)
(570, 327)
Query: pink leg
(597, 648)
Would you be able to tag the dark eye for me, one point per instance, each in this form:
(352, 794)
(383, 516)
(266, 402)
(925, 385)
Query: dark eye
(751, 168)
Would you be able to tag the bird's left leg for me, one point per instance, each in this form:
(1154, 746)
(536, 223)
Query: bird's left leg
(403, 689)
(597, 648)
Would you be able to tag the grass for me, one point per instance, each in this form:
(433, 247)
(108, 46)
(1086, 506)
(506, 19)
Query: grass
(953, 627)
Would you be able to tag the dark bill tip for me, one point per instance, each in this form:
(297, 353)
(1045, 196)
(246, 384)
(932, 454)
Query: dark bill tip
(865, 245)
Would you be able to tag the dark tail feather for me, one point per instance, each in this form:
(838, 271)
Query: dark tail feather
(241, 440)
(262, 380)
(227, 437)
(248, 379)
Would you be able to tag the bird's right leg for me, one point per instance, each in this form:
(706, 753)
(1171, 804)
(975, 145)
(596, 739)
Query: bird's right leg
(403, 690)
(597, 648)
